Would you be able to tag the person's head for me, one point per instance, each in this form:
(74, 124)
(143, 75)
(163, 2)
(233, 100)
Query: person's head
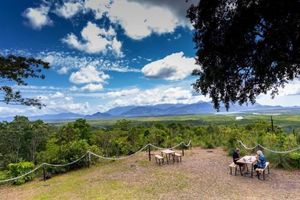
(237, 150)
(259, 153)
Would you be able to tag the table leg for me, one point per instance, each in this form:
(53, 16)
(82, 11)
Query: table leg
(241, 170)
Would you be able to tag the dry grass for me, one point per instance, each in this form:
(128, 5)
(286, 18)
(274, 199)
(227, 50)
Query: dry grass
(201, 175)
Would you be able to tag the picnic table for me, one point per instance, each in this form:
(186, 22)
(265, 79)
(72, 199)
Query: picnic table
(167, 153)
(247, 160)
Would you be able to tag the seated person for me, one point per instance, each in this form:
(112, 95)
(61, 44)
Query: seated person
(236, 157)
(261, 160)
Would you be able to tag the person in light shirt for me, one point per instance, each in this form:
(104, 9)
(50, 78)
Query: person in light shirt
(261, 160)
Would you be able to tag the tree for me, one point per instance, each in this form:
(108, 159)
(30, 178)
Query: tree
(245, 48)
(15, 69)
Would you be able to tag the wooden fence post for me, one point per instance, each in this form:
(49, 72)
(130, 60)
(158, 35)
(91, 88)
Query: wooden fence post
(149, 152)
(44, 173)
(89, 159)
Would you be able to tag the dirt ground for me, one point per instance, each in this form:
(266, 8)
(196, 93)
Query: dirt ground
(202, 174)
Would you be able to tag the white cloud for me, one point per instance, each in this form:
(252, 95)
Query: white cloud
(88, 74)
(141, 21)
(69, 9)
(56, 102)
(9, 111)
(290, 88)
(152, 96)
(95, 40)
(123, 93)
(138, 18)
(64, 62)
(60, 100)
(38, 17)
(173, 67)
(287, 96)
(92, 87)
(97, 7)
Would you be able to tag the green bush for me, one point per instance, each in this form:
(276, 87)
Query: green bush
(4, 175)
(295, 156)
(20, 168)
(66, 153)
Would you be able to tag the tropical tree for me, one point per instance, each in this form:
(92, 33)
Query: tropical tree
(14, 70)
(245, 47)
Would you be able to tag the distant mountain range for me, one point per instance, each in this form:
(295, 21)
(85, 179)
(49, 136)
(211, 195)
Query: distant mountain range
(163, 110)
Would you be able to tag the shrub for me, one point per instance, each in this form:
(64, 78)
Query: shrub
(3, 175)
(295, 156)
(20, 168)
(66, 153)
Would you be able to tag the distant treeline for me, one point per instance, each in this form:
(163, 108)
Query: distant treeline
(24, 144)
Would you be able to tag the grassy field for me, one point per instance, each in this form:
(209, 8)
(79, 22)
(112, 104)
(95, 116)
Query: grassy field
(287, 121)
(202, 174)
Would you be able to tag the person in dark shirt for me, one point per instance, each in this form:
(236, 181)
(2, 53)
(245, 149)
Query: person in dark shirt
(236, 157)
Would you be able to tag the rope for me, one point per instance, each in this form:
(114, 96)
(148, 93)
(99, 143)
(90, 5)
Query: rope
(90, 153)
(118, 158)
(67, 164)
(270, 150)
(181, 143)
(21, 176)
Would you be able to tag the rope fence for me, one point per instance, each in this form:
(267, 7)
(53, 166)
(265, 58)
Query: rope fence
(267, 149)
(89, 153)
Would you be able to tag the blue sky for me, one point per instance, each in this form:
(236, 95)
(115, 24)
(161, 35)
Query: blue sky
(106, 53)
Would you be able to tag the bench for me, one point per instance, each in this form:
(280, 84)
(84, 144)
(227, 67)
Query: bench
(262, 170)
(177, 157)
(159, 159)
(231, 167)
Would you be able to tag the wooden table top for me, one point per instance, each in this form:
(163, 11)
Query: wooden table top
(247, 160)
(167, 151)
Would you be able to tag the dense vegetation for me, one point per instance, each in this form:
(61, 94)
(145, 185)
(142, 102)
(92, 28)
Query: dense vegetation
(24, 144)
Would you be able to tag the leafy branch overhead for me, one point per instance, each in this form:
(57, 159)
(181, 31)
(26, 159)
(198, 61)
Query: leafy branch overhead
(245, 47)
(15, 69)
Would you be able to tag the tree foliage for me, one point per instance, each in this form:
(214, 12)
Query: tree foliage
(15, 69)
(245, 47)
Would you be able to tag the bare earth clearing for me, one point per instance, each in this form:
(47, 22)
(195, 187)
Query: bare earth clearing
(201, 175)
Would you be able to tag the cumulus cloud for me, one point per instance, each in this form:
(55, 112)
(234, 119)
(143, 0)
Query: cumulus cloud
(38, 17)
(123, 93)
(88, 74)
(152, 96)
(291, 88)
(92, 87)
(178, 7)
(59, 102)
(95, 40)
(139, 19)
(172, 67)
(97, 7)
(69, 9)
(56, 102)
(64, 62)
